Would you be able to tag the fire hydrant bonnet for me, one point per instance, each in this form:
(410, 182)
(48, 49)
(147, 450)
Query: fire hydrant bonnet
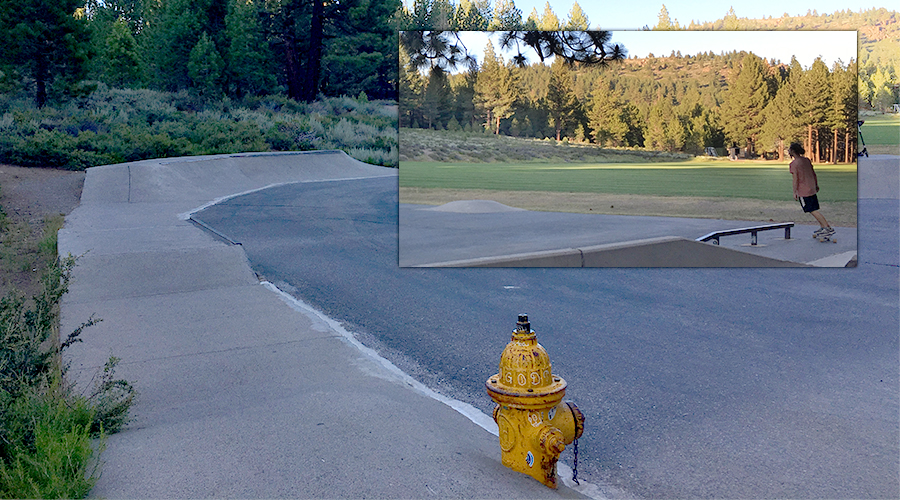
(526, 377)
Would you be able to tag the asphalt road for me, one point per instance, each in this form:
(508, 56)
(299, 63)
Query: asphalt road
(709, 383)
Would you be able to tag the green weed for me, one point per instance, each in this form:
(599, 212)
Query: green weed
(48, 448)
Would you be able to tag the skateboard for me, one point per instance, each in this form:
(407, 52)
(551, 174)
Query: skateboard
(824, 238)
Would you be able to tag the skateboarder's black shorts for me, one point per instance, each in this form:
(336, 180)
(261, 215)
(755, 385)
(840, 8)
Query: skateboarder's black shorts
(809, 203)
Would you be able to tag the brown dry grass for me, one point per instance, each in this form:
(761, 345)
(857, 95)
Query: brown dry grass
(841, 214)
(882, 149)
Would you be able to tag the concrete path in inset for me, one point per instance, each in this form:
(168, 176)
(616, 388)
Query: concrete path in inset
(430, 235)
(243, 391)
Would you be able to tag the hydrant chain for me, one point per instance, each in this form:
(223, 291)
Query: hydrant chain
(575, 467)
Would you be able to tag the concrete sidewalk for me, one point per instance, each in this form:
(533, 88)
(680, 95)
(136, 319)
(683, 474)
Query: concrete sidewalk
(243, 391)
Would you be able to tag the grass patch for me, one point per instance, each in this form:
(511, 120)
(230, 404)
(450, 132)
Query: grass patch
(882, 130)
(423, 145)
(52, 452)
(50, 436)
(698, 178)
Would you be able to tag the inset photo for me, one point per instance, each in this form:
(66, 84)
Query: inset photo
(628, 149)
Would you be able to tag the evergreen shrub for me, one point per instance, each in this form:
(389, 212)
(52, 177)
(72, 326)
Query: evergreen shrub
(120, 125)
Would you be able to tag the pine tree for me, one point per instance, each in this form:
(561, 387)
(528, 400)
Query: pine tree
(578, 20)
(248, 71)
(463, 88)
(843, 112)
(205, 67)
(561, 99)
(882, 94)
(467, 17)
(124, 66)
(496, 90)
(45, 43)
(605, 117)
(411, 90)
(747, 96)
(531, 24)
(664, 128)
(437, 100)
(506, 16)
(549, 21)
(442, 12)
(665, 23)
(813, 98)
(172, 31)
(360, 52)
(731, 20)
(781, 124)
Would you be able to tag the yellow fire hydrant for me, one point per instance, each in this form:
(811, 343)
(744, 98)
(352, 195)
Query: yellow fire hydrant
(535, 424)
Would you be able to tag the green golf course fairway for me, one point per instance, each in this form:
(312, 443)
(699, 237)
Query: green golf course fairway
(706, 178)
(881, 130)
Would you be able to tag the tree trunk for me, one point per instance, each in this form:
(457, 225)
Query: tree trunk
(314, 56)
(814, 137)
(40, 79)
(834, 148)
(809, 140)
(295, 88)
(847, 147)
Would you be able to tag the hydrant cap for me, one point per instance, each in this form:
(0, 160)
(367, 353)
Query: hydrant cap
(525, 370)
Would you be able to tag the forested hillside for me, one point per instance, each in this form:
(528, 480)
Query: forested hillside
(879, 32)
(668, 102)
(879, 45)
(672, 103)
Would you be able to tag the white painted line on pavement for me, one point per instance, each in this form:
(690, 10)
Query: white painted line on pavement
(474, 414)
(478, 417)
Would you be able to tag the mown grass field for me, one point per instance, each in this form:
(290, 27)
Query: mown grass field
(695, 178)
(881, 130)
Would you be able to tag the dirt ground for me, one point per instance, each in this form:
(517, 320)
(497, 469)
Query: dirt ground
(842, 214)
(30, 198)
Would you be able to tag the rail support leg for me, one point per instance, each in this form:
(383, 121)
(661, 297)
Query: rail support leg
(787, 233)
(753, 238)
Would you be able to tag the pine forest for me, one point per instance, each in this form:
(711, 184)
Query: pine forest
(735, 102)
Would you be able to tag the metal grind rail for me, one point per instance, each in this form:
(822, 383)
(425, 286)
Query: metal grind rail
(714, 236)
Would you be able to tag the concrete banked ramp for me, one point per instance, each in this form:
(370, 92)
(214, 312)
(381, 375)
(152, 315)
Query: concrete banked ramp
(667, 251)
(243, 391)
